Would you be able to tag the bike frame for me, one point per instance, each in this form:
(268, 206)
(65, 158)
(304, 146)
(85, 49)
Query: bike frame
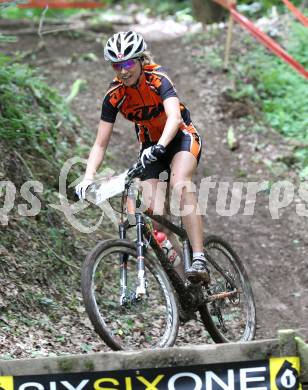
(190, 296)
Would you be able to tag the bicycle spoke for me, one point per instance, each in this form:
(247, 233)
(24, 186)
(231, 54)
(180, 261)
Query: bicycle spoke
(147, 322)
(229, 296)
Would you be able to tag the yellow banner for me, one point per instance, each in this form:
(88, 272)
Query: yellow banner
(271, 374)
(284, 373)
(6, 383)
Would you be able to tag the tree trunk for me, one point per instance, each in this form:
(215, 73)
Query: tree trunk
(206, 11)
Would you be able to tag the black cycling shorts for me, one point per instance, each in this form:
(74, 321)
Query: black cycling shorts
(188, 141)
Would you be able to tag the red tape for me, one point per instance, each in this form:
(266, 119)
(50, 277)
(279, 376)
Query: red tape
(302, 18)
(268, 42)
(262, 37)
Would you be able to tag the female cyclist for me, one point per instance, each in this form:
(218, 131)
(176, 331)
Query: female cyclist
(145, 95)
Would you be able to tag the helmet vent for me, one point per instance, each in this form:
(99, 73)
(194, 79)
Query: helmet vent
(140, 47)
(128, 49)
(119, 43)
(111, 53)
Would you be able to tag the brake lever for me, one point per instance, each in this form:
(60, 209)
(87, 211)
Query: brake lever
(134, 171)
(139, 168)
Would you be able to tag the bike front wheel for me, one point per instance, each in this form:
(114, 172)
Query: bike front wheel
(230, 313)
(150, 322)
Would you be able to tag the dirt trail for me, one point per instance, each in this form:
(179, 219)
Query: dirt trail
(274, 251)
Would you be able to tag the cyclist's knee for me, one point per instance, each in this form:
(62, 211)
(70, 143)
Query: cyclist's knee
(179, 178)
(154, 196)
(178, 183)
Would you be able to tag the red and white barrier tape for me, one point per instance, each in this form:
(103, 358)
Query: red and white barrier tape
(302, 18)
(262, 37)
(267, 41)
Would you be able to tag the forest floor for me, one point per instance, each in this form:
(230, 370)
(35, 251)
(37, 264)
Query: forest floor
(274, 251)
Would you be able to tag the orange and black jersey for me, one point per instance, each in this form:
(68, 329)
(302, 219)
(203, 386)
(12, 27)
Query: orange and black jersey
(143, 105)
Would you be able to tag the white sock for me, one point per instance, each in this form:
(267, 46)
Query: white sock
(198, 255)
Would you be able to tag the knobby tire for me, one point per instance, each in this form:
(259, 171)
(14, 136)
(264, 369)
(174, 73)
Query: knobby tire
(245, 329)
(97, 294)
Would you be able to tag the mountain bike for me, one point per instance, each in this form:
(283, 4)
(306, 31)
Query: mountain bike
(135, 298)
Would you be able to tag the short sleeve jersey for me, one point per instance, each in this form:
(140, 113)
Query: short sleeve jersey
(143, 104)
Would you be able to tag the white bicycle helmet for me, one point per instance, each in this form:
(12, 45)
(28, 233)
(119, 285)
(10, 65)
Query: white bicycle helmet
(123, 46)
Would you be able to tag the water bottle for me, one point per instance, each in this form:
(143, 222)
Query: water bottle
(167, 247)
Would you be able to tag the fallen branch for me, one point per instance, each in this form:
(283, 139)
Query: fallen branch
(298, 144)
(60, 27)
(71, 266)
(33, 31)
(63, 29)
(30, 174)
(40, 46)
(7, 24)
(19, 156)
(42, 21)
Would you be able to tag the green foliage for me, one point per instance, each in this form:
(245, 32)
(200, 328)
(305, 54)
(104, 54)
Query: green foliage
(257, 8)
(180, 8)
(7, 38)
(31, 113)
(212, 56)
(14, 12)
(281, 92)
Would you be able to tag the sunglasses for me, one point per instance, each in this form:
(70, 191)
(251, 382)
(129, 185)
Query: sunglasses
(127, 65)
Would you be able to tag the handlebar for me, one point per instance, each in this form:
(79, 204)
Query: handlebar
(135, 171)
(100, 191)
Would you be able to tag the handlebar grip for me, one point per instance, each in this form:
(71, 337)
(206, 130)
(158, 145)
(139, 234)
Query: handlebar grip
(158, 153)
(158, 150)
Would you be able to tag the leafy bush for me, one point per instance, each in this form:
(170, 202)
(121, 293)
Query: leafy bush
(281, 92)
(13, 12)
(152, 6)
(258, 7)
(31, 113)
(155, 7)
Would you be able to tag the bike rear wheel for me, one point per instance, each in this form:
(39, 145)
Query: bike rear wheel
(148, 323)
(231, 316)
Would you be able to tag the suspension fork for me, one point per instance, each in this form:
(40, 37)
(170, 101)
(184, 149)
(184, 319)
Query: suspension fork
(123, 267)
(141, 287)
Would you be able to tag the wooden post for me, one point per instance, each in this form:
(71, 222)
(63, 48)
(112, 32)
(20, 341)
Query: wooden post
(228, 4)
(228, 42)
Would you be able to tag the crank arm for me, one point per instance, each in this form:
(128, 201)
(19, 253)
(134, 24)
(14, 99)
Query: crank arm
(221, 296)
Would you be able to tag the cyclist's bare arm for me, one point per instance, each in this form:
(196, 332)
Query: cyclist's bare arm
(99, 148)
(174, 119)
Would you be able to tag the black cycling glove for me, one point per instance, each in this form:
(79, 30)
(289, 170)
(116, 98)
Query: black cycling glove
(151, 154)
